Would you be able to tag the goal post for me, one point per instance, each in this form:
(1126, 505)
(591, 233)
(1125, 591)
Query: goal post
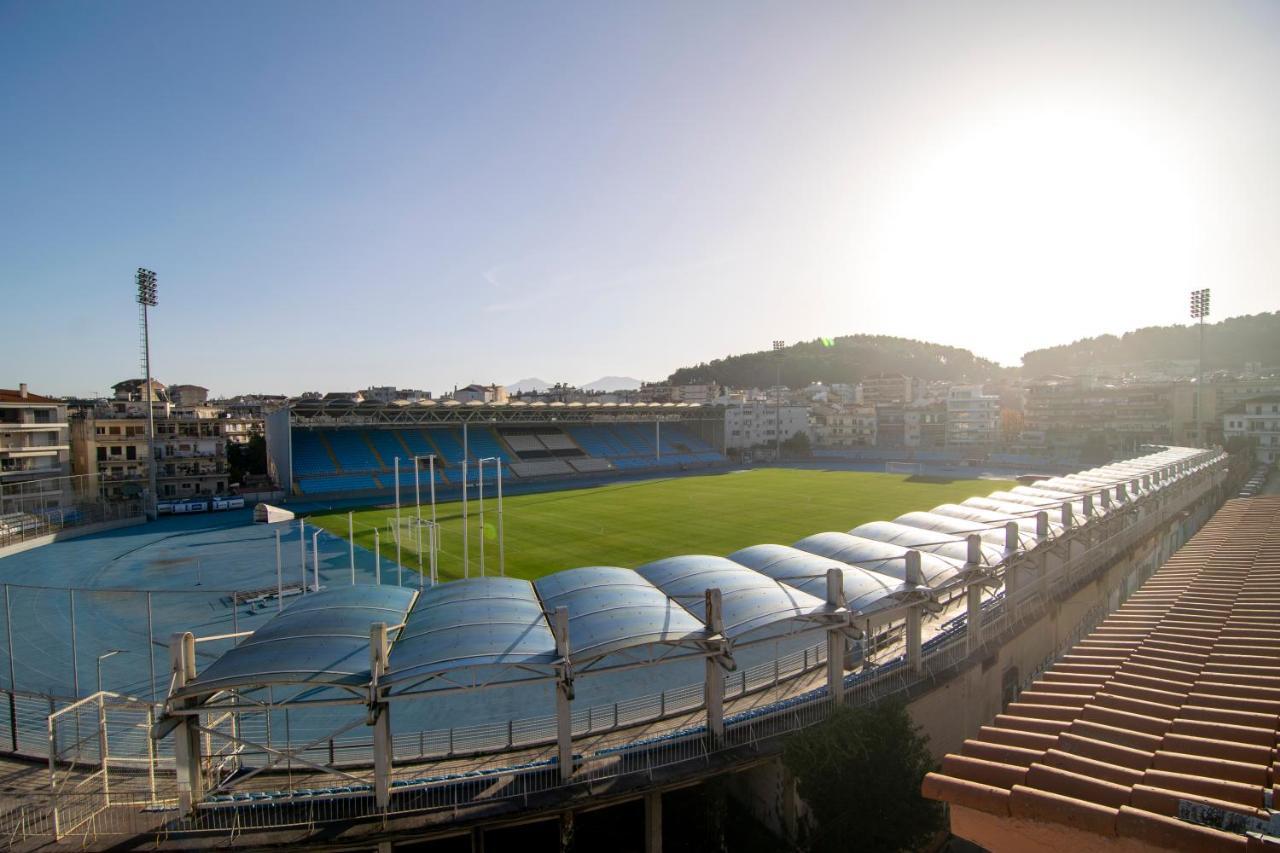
(912, 468)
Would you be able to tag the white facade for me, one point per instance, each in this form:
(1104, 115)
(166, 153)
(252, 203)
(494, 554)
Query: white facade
(973, 417)
(35, 449)
(748, 424)
(845, 426)
(1258, 420)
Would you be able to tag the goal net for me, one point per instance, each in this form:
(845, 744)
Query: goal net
(902, 467)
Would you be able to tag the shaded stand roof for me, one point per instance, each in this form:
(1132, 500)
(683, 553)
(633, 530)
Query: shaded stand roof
(491, 631)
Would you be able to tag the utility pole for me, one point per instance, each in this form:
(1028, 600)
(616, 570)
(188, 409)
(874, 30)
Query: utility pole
(146, 281)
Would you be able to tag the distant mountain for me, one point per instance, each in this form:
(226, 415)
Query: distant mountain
(1228, 344)
(533, 383)
(848, 359)
(613, 383)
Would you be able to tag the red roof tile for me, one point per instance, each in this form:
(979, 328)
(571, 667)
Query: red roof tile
(1175, 697)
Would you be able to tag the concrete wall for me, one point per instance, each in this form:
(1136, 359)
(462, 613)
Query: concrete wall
(954, 710)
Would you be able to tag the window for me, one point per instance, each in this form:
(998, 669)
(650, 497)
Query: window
(115, 451)
(102, 454)
(131, 452)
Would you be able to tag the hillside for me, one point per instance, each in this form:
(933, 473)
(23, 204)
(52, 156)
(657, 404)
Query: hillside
(1228, 344)
(846, 359)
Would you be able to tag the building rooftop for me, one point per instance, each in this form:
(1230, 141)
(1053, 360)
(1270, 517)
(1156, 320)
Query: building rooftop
(1158, 730)
(23, 397)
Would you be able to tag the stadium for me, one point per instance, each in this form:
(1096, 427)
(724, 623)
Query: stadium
(383, 660)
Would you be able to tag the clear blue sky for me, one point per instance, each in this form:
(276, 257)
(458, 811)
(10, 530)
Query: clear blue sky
(343, 194)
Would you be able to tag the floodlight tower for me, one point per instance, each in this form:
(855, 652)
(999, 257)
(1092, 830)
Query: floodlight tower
(778, 346)
(146, 281)
(1200, 310)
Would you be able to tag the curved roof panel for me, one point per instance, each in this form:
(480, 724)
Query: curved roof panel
(319, 639)
(1014, 512)
(944, 544)
(1000, 500)
(883, 557)
(611, 609)
(992, 534)
(751, 600)
(478, 622)
(865, 591)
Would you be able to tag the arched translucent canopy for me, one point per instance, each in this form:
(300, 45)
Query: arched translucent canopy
(883, 557)
(865, 591)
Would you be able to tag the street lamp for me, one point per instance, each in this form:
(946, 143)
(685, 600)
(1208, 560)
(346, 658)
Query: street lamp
(778, 346)
(1200, 310)
(146, 281)
(108, 653)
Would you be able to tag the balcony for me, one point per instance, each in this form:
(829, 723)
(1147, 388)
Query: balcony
(20, 451)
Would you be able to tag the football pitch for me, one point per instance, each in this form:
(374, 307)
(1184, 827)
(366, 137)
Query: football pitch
(629, 524)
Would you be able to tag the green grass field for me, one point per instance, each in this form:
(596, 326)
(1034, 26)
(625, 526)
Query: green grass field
(628, 524)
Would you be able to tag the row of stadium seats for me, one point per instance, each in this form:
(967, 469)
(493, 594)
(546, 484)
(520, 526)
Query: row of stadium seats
(331, 460)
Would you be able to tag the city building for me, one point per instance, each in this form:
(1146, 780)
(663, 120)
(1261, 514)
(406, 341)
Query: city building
(703, 393)
(188, 395)
(35, 447)
(889, 388)
(481, 394)
(844, 426)
(924, 424)
(1258, 421)
(758, 422)
(109, 442)
(973, 417)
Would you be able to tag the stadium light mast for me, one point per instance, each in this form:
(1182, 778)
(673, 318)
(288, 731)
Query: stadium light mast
(1200, 310)
(778, 346)
(146, 282)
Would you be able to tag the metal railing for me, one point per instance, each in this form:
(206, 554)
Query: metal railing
(117, 808)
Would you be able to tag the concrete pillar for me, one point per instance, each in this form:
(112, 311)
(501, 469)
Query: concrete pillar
(1064, 516)
(915, 648)
(380, 717)
(1088, 506)
(915, 652)
(1042, 525)
(713, 685)
(1013, 565)
(653, 822)
(835, 638)
(975, 616)
(564, 694)
(566, 831)
(914, 574)
(973, 552)
(186, 736)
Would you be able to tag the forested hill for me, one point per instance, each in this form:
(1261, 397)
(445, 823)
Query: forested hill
(1228, 344)
(848, 359)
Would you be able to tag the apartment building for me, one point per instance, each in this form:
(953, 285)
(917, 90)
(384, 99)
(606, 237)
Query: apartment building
(109, 440)
(1259, 421)
(973, 417)
(759, 422)
(889, 388)
(35, 451)
(844, 426)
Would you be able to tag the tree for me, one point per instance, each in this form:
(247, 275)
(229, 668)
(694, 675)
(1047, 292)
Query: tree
(248, 460)
(860, 771)
(797, 445)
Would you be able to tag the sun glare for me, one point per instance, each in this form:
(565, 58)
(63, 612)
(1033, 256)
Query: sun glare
(1040, 200)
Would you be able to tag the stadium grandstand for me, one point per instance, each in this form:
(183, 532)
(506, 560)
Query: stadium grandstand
(341, 447)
